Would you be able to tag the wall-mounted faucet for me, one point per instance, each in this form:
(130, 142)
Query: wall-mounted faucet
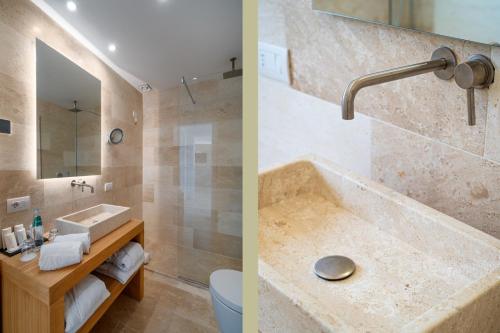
(82, 184)
(442, 63)
(477, 72)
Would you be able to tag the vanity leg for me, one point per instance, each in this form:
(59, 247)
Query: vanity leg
(135, 288)
(43, 317)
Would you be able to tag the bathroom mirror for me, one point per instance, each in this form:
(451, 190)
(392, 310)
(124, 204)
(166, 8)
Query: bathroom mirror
(68, 117)
(474, 20)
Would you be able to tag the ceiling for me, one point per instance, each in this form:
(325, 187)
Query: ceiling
(159, 41)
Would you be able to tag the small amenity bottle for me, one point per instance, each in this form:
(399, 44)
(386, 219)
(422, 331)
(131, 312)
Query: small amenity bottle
(37, 228)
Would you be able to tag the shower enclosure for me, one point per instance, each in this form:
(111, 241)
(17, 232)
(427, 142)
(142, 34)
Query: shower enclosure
(192, 177)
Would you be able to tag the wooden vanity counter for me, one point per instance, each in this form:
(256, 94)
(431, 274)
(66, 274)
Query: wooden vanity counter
(33, 300)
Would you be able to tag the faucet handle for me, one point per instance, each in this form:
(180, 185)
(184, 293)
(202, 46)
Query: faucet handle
(477, 72)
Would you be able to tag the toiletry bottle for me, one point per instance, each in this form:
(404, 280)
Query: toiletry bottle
(37, 228)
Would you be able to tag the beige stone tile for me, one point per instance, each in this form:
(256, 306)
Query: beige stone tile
(17, 57)
(227, 154)
(15, 102)
(198, 218)
(228, 129)
(230, 223)
(327, 52)
(163, 255)
(230, 87)
(272, 25)
(148, 193)
(20, 147)
(227, 200)
(181, 324)
(162, 212)
(492, 145)
(167, 155)
(452, 181)
(226, 245)
(170, 97)
(197, 265)
(227, 177)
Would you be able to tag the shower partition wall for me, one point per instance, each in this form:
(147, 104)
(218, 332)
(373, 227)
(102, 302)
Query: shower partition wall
(192, 178)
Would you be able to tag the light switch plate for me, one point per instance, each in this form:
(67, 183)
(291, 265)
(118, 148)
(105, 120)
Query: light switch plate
(274, 62)
(20, 204)
(108, 187)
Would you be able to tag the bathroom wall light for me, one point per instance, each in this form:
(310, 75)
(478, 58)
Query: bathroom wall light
(112, 47)
(71, 5)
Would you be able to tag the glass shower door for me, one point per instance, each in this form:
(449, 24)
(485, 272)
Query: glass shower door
(209, 130)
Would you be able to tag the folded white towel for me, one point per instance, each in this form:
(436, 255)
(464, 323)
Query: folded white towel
(82, 301)
(128, 256)
(83, 237)
(57, 255)
(122, 276)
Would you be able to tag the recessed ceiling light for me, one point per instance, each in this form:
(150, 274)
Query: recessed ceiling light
(112, 47)
(71, 5)
(195, 78)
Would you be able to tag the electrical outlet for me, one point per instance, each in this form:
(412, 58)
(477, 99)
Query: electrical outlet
(108, 187)
(274, 62)
(15, 205)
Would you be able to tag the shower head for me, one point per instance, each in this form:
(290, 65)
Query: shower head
(233, 72)
(75, 108)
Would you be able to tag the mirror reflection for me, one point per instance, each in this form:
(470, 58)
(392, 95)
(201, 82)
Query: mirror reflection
(68, 117)
(474, 20)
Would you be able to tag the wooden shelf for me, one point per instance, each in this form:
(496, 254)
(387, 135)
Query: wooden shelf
(33, 300)
(115, 289)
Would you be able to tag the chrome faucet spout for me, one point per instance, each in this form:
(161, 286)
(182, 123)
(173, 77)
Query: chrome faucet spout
(82, 184)
(442, 64)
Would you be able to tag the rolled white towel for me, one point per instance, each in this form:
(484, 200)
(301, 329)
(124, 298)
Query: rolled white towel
(82, 301)
(122, 276)
(58, 255)
(147, 257)
(83, 237)
(128, 256)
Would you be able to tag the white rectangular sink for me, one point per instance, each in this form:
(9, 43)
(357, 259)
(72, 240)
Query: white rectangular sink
(417, 270)
(99, 221)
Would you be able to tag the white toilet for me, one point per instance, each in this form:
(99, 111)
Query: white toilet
(226, 291)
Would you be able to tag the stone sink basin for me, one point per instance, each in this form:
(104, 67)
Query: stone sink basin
(99, 221)
(417, 270)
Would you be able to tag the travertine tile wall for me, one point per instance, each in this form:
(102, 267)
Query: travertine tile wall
(21, 23)
(412, 135)
(192, 179)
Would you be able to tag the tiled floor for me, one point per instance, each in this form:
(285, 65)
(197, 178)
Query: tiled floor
(168, 306)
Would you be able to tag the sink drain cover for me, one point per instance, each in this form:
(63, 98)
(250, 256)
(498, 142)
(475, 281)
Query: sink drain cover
(334, 268)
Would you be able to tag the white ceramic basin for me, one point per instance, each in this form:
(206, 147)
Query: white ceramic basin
(98, 221)
(417, 270)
